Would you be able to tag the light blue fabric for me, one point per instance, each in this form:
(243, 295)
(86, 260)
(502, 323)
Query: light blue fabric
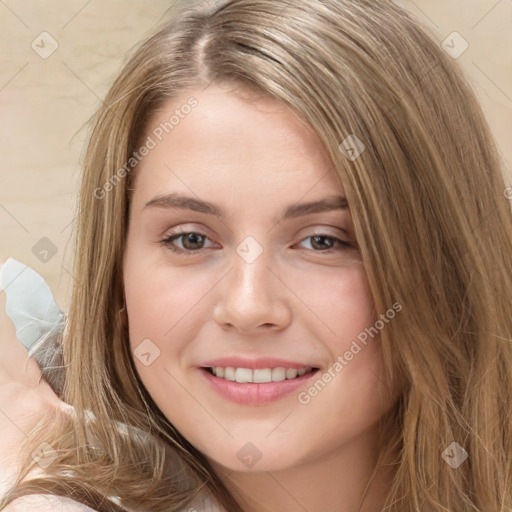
(30, 303)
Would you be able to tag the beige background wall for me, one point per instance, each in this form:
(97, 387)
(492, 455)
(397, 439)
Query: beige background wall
(45, 102)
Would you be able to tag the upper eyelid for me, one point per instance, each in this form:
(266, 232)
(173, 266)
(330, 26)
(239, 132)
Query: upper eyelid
(202, 231)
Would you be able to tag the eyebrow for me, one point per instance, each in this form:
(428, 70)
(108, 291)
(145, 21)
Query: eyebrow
(182, 202)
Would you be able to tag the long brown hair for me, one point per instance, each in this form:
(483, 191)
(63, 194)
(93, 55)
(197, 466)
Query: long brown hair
(432, 222)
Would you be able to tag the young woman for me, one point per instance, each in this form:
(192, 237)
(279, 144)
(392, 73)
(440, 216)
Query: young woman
(295, 292)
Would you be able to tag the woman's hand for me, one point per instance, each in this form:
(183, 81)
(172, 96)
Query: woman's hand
(24, 395)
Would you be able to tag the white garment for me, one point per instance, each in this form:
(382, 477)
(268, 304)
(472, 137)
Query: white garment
(46, 503)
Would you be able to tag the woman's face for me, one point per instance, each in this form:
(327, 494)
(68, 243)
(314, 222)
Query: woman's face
(266, 283)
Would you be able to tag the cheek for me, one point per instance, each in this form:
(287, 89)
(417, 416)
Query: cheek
(163, 309)
(345, 320)
(332, 307)
(161, 304)
(341, 302)
(166, 311)
(157, 295)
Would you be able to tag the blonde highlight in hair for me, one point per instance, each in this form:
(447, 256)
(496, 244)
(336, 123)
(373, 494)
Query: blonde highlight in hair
(432, 223)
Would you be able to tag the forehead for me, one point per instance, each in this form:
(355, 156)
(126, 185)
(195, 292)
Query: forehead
(232, 139)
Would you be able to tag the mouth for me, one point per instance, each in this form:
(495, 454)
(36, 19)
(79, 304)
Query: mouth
(254, 382)
(259, 386)
(260, 375)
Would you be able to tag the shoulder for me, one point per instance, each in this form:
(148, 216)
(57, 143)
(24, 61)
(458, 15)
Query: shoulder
(46, 503)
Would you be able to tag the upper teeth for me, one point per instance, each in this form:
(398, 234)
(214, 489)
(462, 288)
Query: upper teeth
(258, 376)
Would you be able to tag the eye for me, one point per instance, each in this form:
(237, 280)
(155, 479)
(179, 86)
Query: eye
(191, 242)
(318, 241)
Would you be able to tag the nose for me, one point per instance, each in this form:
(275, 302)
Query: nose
(253, 298)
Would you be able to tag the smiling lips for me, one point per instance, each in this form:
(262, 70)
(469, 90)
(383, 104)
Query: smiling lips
(255, 382)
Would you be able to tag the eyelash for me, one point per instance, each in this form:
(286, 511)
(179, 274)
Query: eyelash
(167, 242)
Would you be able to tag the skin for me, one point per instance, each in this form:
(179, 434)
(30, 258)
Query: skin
(253, 157)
